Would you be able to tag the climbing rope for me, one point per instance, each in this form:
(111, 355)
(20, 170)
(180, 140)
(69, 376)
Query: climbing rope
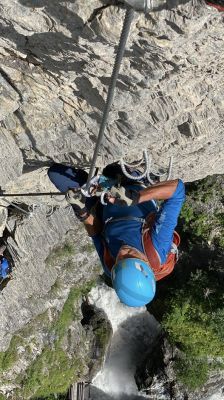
(146, 159)
(46, 208)
(139, 6)
(139, 177)
(34, 206)
(120, 52)
(147, 173)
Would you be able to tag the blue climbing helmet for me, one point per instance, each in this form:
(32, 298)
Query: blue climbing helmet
(134, 282)
(4, 268)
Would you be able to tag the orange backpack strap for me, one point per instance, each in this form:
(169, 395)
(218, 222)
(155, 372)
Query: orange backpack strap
(160, 270)
(108, 259)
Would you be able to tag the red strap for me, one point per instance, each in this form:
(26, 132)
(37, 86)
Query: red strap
(107, 258)
(150, 251)
(160, 270)
(217, 6)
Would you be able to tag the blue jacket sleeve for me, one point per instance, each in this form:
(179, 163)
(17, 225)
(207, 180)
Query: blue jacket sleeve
(166, 221)
(98, 243)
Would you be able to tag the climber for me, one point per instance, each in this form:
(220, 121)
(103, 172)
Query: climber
(218, 4)
(4, 264)
(136, 243)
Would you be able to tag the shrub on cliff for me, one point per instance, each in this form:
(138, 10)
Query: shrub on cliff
(194, 322)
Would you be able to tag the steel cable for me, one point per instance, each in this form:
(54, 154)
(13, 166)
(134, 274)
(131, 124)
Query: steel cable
(120, 52)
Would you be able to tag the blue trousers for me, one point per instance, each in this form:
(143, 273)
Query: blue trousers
(65, 178)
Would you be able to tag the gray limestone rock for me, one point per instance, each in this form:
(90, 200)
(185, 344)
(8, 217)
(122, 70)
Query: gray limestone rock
(169, 92)
(8, 99)
(156, 377)
(11, 158)
(3, 219)
(26, 295)
(56, 60)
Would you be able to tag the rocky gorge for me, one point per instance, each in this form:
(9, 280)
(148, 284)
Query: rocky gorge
(56, 58)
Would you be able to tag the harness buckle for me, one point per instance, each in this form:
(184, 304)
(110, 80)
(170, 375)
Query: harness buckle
(174, 250)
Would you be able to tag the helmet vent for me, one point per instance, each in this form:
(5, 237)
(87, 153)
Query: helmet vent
(140, 268)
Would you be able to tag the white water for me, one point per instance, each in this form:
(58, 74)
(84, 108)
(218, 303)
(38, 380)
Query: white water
(216, 396)
(134, 331)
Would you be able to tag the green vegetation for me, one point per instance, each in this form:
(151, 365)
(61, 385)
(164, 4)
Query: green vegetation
(67, 250)
(8, 358)
(11, 356)
(54, 369)
(69, 312)
(194, 323)
(61, 362)
(190, 307)
(102, 335)
(203, 212)
(193, 373)
(88, 247)
(52, 372)
(197, 223)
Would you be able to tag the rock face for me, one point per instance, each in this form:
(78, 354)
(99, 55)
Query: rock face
(55, 63)
(156, 378)
(56, 60)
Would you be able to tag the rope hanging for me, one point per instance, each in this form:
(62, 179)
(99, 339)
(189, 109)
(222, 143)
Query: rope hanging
(120, 52)
(147, 160)
(111, 90)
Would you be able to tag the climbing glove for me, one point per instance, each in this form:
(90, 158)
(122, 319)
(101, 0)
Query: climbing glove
(133, 195)
(77, 201)
(124, 196)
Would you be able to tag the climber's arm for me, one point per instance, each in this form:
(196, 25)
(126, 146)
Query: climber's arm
(166, 219)
(159, 191)
(92, 224)
(94, 229)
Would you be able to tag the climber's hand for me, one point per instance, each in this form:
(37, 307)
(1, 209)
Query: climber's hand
(93, 188)
(77, 201)
(75, 197)
(122, 196)
(133, 195)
